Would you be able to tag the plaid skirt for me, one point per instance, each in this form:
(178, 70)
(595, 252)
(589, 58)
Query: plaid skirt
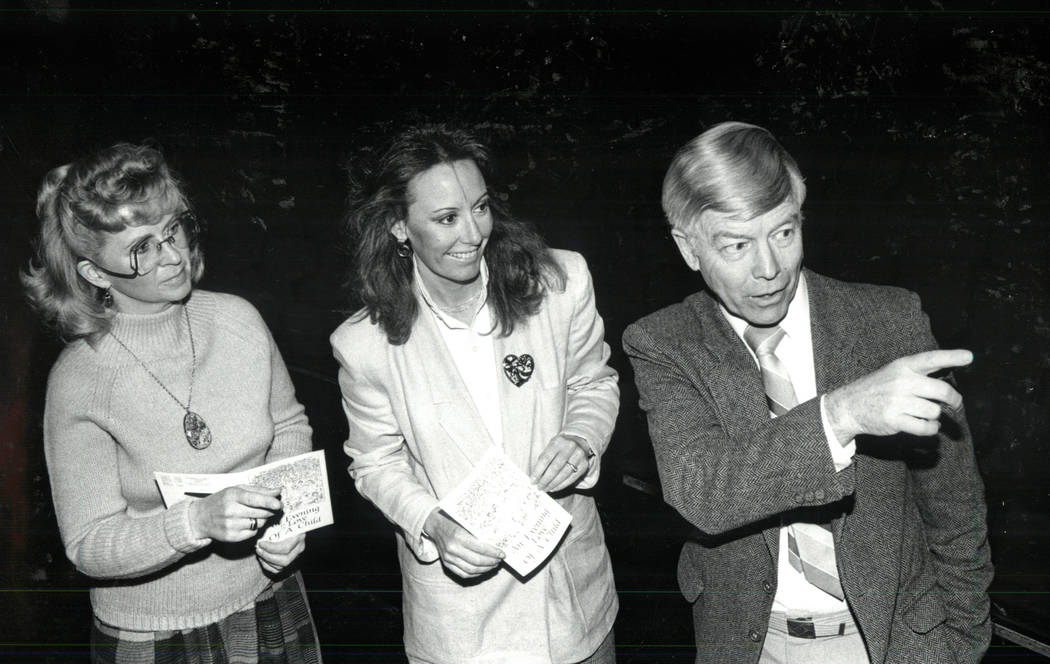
(277, 629)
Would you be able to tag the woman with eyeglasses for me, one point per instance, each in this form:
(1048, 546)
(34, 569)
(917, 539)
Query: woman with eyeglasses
(158, 376)
(475, 336)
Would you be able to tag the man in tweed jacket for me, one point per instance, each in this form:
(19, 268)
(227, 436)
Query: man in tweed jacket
(869, 444)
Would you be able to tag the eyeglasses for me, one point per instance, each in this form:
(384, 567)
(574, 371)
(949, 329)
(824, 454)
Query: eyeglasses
(181, 232)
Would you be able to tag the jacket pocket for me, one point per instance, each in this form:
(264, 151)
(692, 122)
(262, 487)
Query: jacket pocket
(926, 611)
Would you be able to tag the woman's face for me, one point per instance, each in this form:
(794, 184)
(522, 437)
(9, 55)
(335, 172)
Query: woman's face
(448, 224)
(165, 269)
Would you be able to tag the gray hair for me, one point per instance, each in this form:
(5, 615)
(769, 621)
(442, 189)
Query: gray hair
(733, 168)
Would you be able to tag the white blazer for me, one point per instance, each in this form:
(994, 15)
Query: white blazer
(414, 433)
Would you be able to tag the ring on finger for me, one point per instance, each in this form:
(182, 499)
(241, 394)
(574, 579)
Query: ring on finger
(255, 524)
(573, 466)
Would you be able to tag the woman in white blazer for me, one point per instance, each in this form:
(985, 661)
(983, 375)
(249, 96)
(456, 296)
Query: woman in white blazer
(474, 334)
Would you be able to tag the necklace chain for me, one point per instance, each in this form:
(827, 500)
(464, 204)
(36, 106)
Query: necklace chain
(193, 369)
(464, 305)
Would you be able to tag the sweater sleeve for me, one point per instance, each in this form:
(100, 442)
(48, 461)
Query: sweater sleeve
(291, 429)
(100, 538)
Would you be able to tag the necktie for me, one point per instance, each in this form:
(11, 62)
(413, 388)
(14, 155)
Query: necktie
(811, 547)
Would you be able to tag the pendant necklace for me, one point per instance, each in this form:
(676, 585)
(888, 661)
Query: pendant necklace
(198, 435)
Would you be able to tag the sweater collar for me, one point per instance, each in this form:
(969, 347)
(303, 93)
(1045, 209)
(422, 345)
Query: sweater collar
(150, 335)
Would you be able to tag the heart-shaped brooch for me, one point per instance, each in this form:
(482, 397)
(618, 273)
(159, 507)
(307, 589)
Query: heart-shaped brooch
(518, 368)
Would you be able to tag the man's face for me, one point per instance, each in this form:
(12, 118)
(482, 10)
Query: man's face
(752, 266)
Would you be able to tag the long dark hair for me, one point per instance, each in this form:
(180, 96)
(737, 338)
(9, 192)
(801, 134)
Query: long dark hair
(520, 264)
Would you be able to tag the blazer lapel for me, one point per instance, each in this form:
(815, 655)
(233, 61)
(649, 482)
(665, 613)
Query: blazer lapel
(454, 407)
(835, 354)
(735, 382)
(837, 357)
(521, 407)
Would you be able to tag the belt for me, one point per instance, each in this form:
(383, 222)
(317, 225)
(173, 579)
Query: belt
(812, 628)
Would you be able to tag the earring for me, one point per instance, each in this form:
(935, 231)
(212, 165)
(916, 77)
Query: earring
(404, 249)
(107, 298)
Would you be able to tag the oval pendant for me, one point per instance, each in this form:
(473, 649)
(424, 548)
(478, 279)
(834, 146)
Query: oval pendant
(197, 432)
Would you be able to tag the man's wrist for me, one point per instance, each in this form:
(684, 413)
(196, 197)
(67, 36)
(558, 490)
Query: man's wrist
(842, 425)
(842, 451)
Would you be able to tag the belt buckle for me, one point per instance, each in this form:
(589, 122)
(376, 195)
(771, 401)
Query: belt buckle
(801, 628)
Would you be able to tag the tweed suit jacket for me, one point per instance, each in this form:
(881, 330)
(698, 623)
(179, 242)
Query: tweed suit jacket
(415, 433)
(909, 513)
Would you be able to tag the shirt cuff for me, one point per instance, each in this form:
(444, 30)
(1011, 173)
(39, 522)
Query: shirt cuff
(841, 455)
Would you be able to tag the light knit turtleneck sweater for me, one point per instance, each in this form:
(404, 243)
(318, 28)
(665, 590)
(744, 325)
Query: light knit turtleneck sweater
(108, 426)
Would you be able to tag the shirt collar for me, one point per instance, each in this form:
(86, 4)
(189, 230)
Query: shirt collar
(446, 319)
(795, 323)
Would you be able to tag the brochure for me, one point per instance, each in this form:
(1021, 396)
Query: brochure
(303, 480)
(497, 503)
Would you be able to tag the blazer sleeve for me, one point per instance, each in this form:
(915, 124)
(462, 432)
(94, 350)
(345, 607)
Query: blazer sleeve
(721, 480)
(379, 457)
(592, 388)
(951, 502)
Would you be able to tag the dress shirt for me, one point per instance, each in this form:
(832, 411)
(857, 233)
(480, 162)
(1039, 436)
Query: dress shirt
(795, 595)
(473, 353)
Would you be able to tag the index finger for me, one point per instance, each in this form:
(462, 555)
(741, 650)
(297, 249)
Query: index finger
(935, 360)
(543, 469)
(262, 488)
(258, 496)
(480, 547)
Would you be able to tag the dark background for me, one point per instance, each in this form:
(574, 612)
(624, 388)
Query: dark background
(922, 133)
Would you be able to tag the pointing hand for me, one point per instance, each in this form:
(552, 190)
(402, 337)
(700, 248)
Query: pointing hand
(899, 397)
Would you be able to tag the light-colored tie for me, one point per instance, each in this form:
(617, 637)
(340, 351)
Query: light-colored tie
(811, 546)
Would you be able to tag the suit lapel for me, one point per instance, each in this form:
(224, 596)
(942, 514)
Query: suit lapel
(837, 356)
(736, 383)
(734, 380)
(832, 325)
